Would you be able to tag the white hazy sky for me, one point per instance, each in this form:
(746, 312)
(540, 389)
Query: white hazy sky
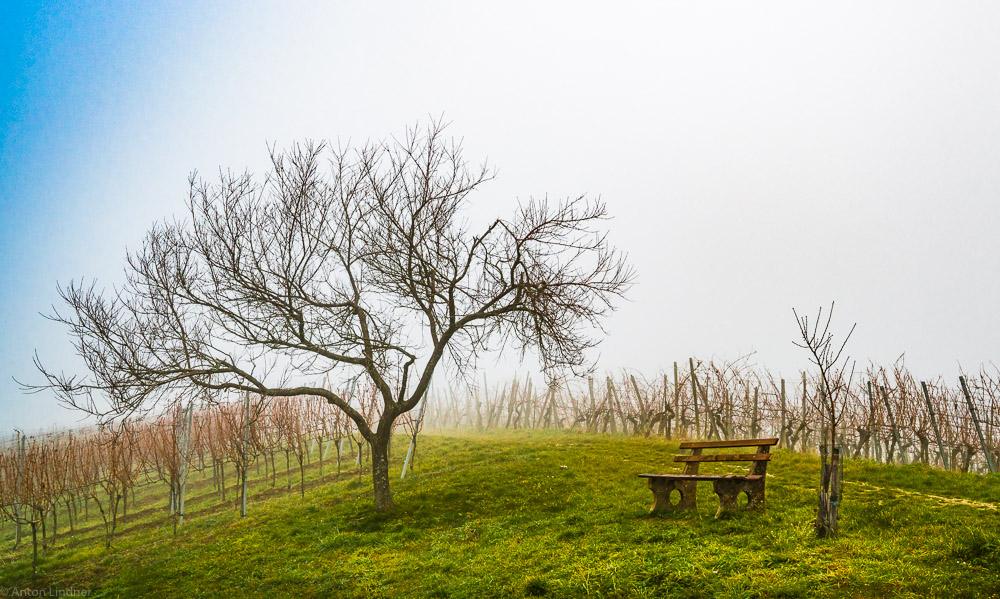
(755, 156)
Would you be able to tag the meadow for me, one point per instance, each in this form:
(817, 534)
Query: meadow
(542, 513)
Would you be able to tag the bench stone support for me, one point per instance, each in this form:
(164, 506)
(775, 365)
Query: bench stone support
(663, 487)
(729, 492)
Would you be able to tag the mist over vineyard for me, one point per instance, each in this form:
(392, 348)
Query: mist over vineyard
(888, 419)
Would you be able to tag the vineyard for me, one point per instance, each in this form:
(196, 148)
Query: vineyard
(50, 484)
(887, 416)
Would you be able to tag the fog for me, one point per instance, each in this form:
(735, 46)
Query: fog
(755, 158)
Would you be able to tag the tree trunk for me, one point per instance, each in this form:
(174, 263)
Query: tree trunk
(379, 448)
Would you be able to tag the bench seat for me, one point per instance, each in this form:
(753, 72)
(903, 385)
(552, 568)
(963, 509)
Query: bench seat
(703, 476)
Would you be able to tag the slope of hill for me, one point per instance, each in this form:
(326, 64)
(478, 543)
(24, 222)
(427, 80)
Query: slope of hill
(507, 514)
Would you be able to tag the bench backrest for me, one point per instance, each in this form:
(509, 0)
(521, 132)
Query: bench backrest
(759, 459)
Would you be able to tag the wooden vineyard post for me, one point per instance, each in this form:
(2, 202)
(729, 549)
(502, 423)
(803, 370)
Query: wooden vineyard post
(184, 462)
(550, 407)
(782, 433)
(557, 404)
(20, 486)
(609, 414)
(727, 408)
(340, 453)
(677, 403)
(666, 408)
(871, 416)
(892, 424)
(979, 429)
(937, 432)
(479, 414)
(703, 395)
(246, 454)
(590, 390)
(805, 428)
(529, 407)
(511, 400)
(694, 397)
(413, 439)
(320, 446)
(617, 404)
(591, 419)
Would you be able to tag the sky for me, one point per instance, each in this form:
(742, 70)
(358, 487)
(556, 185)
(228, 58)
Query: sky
(755, 157)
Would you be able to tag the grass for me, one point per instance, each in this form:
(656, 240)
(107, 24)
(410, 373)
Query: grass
(545, 514)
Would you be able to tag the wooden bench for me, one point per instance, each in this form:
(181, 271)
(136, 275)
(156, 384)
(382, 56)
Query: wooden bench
(727, 487)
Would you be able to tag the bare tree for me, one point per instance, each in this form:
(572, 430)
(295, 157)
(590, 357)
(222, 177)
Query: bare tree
(834, 383)
(360, 266)
(835, 380)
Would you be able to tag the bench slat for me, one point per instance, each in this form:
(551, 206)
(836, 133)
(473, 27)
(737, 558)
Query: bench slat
(725, 457)
(733, 443)
(703, 476)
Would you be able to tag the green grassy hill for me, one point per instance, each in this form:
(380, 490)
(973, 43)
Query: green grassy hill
(515, 514)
